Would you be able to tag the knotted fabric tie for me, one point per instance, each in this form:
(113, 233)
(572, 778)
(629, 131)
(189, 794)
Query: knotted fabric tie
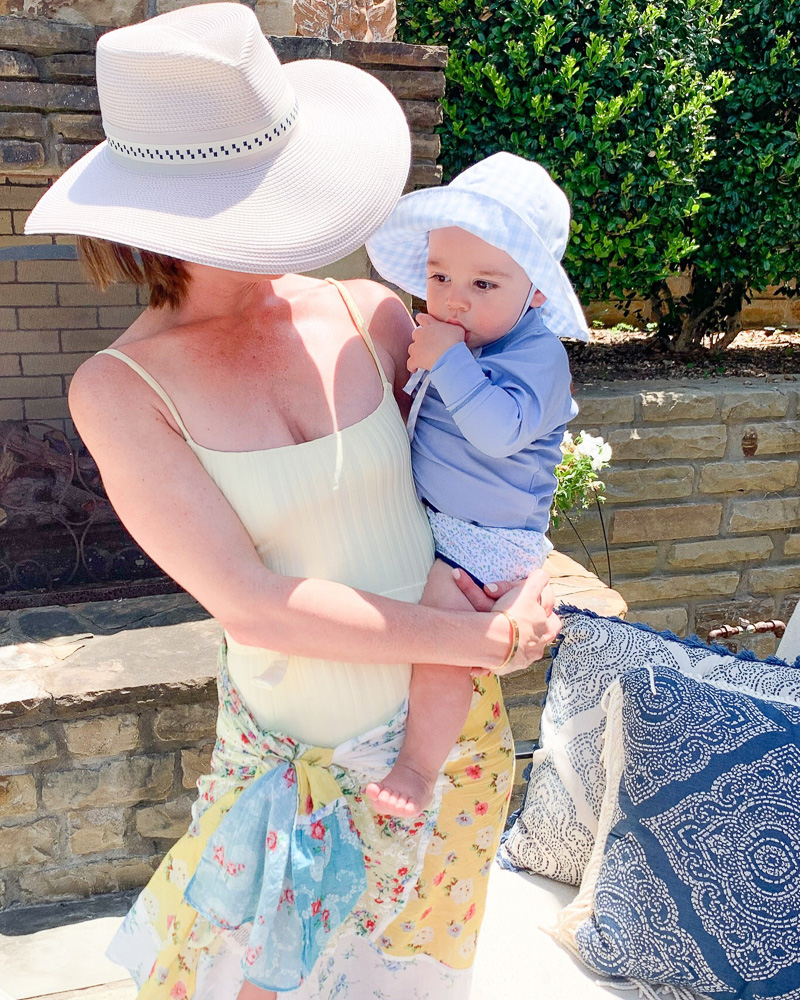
(285, 857)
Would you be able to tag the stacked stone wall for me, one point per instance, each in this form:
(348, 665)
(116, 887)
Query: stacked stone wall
(91, 800)
(703, 508)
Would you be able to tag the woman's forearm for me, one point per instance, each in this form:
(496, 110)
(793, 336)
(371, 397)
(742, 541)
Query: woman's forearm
(319, 618)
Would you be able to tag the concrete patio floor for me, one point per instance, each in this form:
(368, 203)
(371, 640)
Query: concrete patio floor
(516, 959)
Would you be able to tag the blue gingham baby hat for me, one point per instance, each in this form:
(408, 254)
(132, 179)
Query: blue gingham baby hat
(505, 200)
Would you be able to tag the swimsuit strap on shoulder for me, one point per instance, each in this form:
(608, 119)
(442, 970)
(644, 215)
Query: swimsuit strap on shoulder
(361, 326)
(148, 378)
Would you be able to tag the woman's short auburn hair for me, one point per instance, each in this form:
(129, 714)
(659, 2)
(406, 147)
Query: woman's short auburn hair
(167, 278)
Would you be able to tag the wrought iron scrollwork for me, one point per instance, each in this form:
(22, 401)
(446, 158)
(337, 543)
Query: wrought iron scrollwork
(57, 527)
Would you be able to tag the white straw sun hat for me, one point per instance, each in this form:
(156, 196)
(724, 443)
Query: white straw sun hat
(505, 200)
(217, 154)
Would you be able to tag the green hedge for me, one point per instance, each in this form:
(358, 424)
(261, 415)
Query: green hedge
(621, 103)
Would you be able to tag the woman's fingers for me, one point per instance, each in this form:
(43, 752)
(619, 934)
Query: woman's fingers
(471, 590)
(500, 587)
(531, 605)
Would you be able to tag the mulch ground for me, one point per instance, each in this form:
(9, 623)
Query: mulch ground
(624, 355)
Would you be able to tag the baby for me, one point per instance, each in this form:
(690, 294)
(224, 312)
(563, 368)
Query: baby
(492, 402)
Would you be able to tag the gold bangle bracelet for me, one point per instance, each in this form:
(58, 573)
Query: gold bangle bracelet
(512, 652)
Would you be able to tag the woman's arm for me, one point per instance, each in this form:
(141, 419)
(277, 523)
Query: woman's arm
(174, 510)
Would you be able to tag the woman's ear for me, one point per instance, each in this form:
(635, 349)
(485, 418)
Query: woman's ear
(538, 299)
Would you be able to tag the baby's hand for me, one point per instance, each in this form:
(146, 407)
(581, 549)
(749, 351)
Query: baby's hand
(430, 340)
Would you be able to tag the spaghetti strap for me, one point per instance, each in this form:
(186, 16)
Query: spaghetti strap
(148, 378)
(361, 326)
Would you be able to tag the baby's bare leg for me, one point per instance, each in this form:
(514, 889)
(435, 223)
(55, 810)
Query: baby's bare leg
(438, 703)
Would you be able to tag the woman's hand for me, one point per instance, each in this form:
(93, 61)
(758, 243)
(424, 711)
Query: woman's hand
(530, 602)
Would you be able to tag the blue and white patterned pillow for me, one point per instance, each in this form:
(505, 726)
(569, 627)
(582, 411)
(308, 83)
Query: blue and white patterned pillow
(554, 831)
(694, 881)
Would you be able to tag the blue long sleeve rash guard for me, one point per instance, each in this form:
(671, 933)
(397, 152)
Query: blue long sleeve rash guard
(489, 430)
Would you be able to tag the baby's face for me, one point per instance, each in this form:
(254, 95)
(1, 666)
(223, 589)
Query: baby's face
(474, 285)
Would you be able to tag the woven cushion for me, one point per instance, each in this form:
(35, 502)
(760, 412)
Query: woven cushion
(694, 880)
(554, 832)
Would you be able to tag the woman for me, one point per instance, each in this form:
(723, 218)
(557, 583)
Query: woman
(247, 433)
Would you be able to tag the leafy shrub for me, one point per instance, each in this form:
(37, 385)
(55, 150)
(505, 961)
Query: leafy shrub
(747, 234)
(616, 100)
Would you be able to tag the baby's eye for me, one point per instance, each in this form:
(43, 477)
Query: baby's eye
(441, 278)
(484, 285)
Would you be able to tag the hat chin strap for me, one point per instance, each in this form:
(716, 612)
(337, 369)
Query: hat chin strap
(526, 305)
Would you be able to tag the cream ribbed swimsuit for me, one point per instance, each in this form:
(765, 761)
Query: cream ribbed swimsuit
(340, 507)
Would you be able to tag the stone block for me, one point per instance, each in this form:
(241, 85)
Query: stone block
(107, 736)
(678, 404)
(630, 561)
(411, 85)
(9, 364)
(17, 795)
(424, 175)
(46, 409)
(50, 270)
(778, 438)
(67, 67)
(22, 195)
(684, 443)
(11, 409)
(422, 116)
(118, 783)
(392, 53)
(6, 226)
(605, 409)
(719, 552)
(17, 294)
(17, 65)
(29, 844)
(22, 747)
(786, 607)
(747, 476)
(652, 524)
(58, 318)
(43, 37)
(528, 684)
(18, 154)
(778, 514)
(710, 616)
(665, 482)
(167, 821)
(87, 340)
(26, 388)
(425, 146)
(117, 875)
(738, 406)
(187, 723)
(661, 619)
(118, 316)
(52, 364)
(78, 128)
(768, 579)
(791, 547)
(34, 96)
(675, 588)
(8, 322)
(29, 340)
(194, 764)
(68, 153)
(525, 721)
(90, 295)
(96, 831)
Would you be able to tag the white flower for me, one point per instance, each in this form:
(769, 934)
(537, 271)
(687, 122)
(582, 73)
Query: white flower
(594, 448)
(468, 947)
(484, 838)
(423, 936)
(461, 890)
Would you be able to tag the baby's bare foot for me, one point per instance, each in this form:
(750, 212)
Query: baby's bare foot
(403, 792)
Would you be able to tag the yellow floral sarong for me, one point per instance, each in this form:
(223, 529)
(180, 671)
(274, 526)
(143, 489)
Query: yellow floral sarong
(409, 931)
